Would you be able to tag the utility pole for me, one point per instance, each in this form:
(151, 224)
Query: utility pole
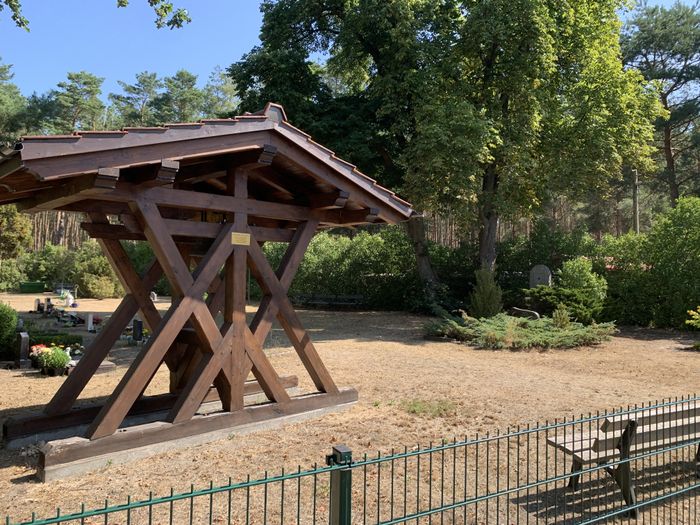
(635, 200)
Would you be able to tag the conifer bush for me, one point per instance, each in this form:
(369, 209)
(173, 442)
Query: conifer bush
(486, 299)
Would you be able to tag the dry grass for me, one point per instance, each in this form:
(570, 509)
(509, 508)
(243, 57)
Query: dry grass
(411, 391)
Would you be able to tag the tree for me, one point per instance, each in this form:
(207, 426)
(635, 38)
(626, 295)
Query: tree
(181, 101)
(220, 99)
(15, 232)
(78, 103)
(12, 105)
(484, 107)
(664, 44)
(135, 106)
(166, 13)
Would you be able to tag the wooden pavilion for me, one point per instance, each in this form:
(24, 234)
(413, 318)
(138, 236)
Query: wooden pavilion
(205, 196)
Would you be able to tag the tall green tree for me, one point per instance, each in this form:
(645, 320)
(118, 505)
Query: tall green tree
(135, 105)
(664, 44)
(15, 232)
(166, 13)
(78, 103)
(181, 101)
(12, 105)
(219, 98)
(484, 107)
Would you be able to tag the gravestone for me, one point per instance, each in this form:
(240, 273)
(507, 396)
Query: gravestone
(540, 275)
(22, 360)
(137, 330)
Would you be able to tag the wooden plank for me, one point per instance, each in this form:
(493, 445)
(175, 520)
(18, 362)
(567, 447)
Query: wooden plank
(324, 201)
(290, 322)
(645, 417)
(200, 381)
(97, 351)
(236, 285)
(17, 427)
(86, 161)
(55, 453)
(77, 189)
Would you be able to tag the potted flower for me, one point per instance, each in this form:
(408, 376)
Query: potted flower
(34, 353)
(54, 361)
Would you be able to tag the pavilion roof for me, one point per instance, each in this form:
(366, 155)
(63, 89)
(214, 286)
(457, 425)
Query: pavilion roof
(298, 169)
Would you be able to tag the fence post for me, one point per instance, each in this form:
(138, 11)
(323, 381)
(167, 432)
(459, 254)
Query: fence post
(341, 485)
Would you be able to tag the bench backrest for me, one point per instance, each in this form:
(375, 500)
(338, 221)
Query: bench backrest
(655, 427)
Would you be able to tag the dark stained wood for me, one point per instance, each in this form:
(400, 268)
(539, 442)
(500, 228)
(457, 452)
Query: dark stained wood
(337, 199)
(17, 427)
(148, 434)
(97, 351)
(290, 321)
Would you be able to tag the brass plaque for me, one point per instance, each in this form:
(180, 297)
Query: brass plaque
(240, 239)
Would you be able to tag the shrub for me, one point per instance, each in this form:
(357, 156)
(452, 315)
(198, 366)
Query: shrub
(694, 319)
(561, 317)
(630, 296)
(10, 275)
(97, 286)
(576, 287)
(673, 256)
(8, 329)
(54, 339)
(516, 333)
(485, 300)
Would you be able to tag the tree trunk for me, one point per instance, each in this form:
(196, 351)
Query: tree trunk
(489, 219)
(415, 228)
(674, 190)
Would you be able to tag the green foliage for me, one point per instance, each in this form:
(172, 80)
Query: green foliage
(380, 267)
(485, 300)
(577, 287)
(10, 275)
(181, 101)
(630, 297)
(56, 358)
(694, 318)
(516, 333)
(78, 103)
(8, 327)
(672, 254)
(12, 105)
(15, 232)
(54, 339)
(166, 13)
(431, 409)
(561, 318)
(662, 43)
(548, 245)
(86, 267)
(98, 286)
(135, 105)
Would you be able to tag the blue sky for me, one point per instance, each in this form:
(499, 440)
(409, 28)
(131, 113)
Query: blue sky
(95, 36)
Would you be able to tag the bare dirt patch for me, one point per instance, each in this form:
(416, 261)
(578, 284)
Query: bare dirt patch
(411, 391)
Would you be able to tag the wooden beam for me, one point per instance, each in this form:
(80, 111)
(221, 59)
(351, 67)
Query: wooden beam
(22, 426)
(60, 452)
(77, 189)
(272, 286)
(97, 351)
(325, 201)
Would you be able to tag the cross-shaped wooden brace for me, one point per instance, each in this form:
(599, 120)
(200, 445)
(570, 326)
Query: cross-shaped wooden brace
(229, 353)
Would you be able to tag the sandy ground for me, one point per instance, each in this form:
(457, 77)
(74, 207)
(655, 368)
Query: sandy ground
(384, 356)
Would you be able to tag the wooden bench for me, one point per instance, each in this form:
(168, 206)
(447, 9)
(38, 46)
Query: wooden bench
(320, 300)
(623, 436)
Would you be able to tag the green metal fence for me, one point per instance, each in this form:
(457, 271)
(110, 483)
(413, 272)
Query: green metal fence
(515, 477)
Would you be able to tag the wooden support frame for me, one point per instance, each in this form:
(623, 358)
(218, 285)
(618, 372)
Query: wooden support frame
(184, 189)
(222, 356)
